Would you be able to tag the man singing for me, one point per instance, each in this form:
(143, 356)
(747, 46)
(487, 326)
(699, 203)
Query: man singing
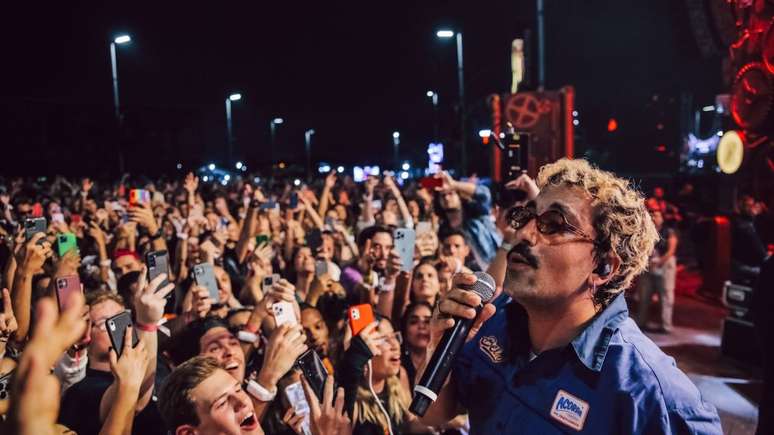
(557, 352)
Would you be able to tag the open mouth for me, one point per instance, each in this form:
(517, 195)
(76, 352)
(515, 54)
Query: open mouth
(231, 365)
(249, 422)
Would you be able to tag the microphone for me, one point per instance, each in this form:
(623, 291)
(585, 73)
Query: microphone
(437, 370)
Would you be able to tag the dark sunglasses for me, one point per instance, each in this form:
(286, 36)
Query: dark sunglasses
(549, 222)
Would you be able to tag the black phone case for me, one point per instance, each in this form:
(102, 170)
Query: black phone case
(314, 371)
(158, 263)
(314, 240)
(204, 275)
(34, 226)
(116, 329)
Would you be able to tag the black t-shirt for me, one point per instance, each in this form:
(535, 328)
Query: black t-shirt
(80, 407)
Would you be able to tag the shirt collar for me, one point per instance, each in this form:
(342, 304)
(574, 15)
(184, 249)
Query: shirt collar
(592, 343)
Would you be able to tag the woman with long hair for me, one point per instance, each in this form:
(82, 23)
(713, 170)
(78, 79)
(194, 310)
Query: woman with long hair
(415, 329)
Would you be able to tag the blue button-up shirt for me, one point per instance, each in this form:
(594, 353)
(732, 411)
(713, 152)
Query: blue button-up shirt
(611, 379)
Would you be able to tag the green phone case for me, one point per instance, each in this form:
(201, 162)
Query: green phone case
(66, 242)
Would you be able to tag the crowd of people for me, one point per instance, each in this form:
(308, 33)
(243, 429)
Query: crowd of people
(200, 358)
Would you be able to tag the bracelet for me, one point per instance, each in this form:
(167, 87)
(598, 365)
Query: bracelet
(505, 246)
(146, 328)
(260, 392)
(105, 263)
(247, 337)
(157, 234)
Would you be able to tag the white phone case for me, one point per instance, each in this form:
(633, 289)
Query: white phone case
(404, 244)
(283, 313)
(297, 399)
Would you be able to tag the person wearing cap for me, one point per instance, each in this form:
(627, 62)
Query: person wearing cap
(557, 352)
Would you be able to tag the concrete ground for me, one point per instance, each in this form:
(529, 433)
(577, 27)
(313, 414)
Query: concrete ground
(733, 387)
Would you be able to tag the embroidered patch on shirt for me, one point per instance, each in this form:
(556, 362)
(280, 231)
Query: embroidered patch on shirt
(569, 410)
(491, 348)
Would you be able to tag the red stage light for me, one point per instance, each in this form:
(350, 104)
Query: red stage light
(612, 125)
(661, 148)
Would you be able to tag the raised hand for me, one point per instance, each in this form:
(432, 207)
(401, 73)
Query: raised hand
(143, 216)
(526, 183)
(191, 183)
(328, 417)
(150, 300)
(130, 368)
(459, 302)
(34, 254)
(201, 303)
(285, 345)
(8, 324)
(330, 180)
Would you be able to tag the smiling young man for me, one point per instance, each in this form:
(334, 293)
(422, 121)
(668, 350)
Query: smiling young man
(557, 352)
(201, 398)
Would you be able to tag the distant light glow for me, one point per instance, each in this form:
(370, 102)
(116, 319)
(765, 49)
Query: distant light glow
(395, 135)
(445, 33)
(708, 109)
(211, 166)
(340, 169)
(430, 94)
(358, 174)
(244, 168)
(404, 175)
(485, 133)
(281, 165)
(205, 178)
(574, 113)
(122, 39)
(179, 166)
(239, 165)
(612, 125)
(277, 121)
(296, 182)
(406, 166)
(235, 97)
(575, 122)
(226, 177)
(720, 133)
(324, 168)
(224, 182)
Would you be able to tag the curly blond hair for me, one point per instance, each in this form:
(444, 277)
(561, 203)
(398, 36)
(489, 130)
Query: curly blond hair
(623, 225)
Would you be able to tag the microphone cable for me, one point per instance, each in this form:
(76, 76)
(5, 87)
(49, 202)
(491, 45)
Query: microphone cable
(378, 402)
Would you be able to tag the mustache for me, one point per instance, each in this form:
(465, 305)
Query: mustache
(524, 250)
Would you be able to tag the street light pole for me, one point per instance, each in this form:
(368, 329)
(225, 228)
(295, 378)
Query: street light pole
(229, 131)
(121, 39)
(272, 128)
(461, 83)
(395, 149)
(308, 142)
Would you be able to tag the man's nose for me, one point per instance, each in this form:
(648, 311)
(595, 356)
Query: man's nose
(528, 233)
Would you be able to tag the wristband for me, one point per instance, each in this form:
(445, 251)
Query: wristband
(259, 392)
(105, 263)
(146, 328)
(505, 246)
(247, 337)
(384, 287)
(251, 328)
(157, 234)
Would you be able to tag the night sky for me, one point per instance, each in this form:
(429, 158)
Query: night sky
(353, 71)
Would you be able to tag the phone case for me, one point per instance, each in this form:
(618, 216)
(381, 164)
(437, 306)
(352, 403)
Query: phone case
(204, 275)
(139, 196)
(360, 316)
(5, 386)
(293, 201)
(320, 268)
(65, 287)
(314, 240)
(65, 243)
(430, 183)
(116, 329)
(404, 244)
(297, 399)
(314, 371)
(268, 282)
(261, 239)
(158, 263)
(34, 226)
(283, 313)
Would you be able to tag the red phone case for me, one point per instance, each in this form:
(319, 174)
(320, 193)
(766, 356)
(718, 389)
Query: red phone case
(65, 287)
(360, 316)
(430, 183)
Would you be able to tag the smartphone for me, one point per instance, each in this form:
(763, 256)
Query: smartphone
(65, 287)
(57, 217)
(204, 276)
(33, 226)
(329, 223)
(320, 268)
(116, 329)
(75, 218)
(268, 282)
(404, 244)
(284, 313)
(158, 263)
(293, 200)
(297, 399)
(314, 240)
(139, 196)
(430, 183)
(376, 204)
(314, 371)
(37, 210)
(65, 243)
(262, 239)
(360, 316)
